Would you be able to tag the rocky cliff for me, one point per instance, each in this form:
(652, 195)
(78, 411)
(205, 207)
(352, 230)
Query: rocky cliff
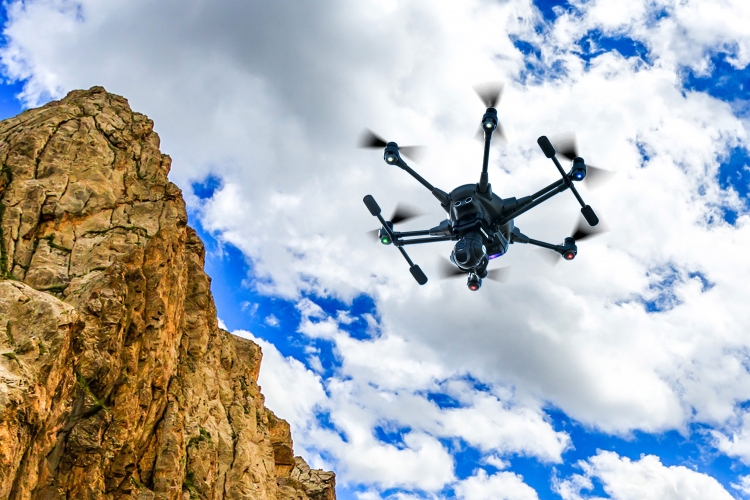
(115, 380)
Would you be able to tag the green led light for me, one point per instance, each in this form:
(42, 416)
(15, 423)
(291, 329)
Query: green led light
(385, 240)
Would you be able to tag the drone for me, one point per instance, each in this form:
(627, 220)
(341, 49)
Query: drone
(479, 221)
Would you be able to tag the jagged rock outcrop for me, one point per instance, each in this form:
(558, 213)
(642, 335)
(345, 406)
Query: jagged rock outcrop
(115, 380)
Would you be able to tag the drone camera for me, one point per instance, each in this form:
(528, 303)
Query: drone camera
(469, 252)
(578, 172)
(474, 283)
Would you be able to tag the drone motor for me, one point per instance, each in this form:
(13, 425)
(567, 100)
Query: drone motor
(578, 172)
(570, 250)
(384, 236)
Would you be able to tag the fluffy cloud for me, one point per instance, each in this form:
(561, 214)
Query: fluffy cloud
(743, 485)
(499, 486)
(378, 386)
(735, 440)
(278, 375)
(271, 99)
(644, 479)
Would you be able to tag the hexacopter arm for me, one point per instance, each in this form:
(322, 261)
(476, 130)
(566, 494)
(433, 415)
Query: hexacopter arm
(567, 250)
(529, 202)
(489, 124)
(392, 157)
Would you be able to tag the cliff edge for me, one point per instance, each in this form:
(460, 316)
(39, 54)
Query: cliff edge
(115, 380)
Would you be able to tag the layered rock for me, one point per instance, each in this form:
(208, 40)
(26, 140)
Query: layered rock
(115, 379)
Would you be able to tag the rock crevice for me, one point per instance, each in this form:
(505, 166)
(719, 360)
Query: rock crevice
(115, 379)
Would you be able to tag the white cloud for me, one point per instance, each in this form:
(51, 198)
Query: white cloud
(491, 424)
(644, 479)
(496, 462)
(272, 320)
(735, 441)
(743, 485)
(499, 486)
(687, 35)
(422, 464)
(221, 324)
(293, 392)
(250, 308)
(272, 100)
(379, 385)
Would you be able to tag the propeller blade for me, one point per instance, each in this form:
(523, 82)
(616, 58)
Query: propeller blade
(480, 134)
(500, 274)
(597, 177)
(404, 212)
(369, 139)
(414, 152)
(448, 270)
(490, 93)
(499, 134)
(550, 256)
(373, 234)
(566, 147)
(583, 231)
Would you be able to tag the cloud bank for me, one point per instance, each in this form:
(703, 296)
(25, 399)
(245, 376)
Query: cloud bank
(646, 331)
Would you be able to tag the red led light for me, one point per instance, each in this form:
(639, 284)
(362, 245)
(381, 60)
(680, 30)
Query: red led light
(569, 255)
(474, 287)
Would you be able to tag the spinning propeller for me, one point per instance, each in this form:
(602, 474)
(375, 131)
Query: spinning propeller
(371, 140)
(490, 94)
(448, 270)
(402, 213)
(595, 177)
(582, 231)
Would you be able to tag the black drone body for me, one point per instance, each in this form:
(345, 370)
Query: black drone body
(481, 223)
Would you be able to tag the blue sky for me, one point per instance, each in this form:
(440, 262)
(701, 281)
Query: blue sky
(639, 350)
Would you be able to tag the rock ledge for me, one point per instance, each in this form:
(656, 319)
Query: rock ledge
(115, 379)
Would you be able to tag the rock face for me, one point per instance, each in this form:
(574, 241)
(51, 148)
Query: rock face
(115, 380)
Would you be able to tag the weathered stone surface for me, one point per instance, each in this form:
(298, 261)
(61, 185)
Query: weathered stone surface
(115, 380)
(316, 484)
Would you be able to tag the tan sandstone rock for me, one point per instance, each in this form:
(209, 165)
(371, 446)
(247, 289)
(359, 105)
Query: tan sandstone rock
(115, 380)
